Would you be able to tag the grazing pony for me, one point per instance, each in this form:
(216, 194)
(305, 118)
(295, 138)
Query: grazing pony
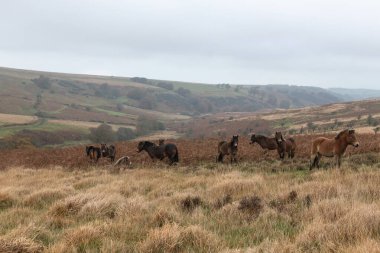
(264, 142)
(228, 148)
(108, 151)
(285, 146)
(93, 152)
(336, 147)
(159, 152)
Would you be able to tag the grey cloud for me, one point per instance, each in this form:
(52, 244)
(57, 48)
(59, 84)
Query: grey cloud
(308, 42)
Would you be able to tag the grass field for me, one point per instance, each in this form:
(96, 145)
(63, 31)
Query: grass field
(56, 200)
(200, 208)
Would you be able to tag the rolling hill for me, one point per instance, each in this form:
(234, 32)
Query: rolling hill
(72, 103)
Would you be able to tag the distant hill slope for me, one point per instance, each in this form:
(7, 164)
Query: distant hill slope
(354, 94)
(118, 100)
(364, 116)
(47, 108)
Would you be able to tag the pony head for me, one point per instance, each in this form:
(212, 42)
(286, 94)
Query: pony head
(143, 145)
(235, 141)
(103, 148)
(253, 139)
(349, 136)
(279, 138)
(140, 146)
(352, 138)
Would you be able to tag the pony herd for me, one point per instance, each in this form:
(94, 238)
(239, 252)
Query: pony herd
(95, 153)
(320, 147)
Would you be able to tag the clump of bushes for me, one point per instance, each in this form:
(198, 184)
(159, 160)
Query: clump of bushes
(190, 203)
(252, 205)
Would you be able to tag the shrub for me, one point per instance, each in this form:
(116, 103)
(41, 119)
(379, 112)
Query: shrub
(125, 134)
(140, 80)
(190, 203)
(165, 85)
(136, 94)
(183, 92)
(102, 134)
(42, 82)
(146, 103)
(251, 205)
(146, 125)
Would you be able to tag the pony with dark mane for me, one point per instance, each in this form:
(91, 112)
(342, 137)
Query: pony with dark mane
(108, 151)
(93, 152)
(159, 152)
(336, 147)
(268, 143)
(285, 146)
(228, 148)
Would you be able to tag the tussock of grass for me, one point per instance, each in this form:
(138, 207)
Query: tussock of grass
(71, 205)
(6, 200)
(252, 205)
(87, 238)
(89, 206)
(227, 199)
(360, 224)
(19, 244)
(236, 187)
(44, 197)
(162, 217)
(190, 203)
(173, 238)
(191, 210)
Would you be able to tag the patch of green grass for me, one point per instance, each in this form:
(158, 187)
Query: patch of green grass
(41, 125)
(284, 227)
(59, 110)
(240, 236)
(112, 113)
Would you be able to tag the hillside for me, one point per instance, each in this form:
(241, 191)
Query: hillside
(38, 104)
(355, 94)
(361, 115)
(116, 99)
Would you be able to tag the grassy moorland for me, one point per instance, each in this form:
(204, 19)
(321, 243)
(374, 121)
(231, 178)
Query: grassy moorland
(203, 208)
(56, 200)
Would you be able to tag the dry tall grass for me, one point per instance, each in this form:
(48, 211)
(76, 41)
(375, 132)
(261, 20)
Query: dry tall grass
(202, 208)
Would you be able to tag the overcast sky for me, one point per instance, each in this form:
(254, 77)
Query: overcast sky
(325, 43)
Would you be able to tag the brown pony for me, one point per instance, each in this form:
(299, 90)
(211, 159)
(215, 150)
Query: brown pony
(108, 151)
(228, 148)
(332, 147)
(285, 146)
(264, 142)
(160, 152)
(93, 152)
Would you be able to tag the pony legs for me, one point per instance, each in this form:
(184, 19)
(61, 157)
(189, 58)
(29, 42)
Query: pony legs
(220, 158)
(314, 161)
(338, 161)
(233, 159)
